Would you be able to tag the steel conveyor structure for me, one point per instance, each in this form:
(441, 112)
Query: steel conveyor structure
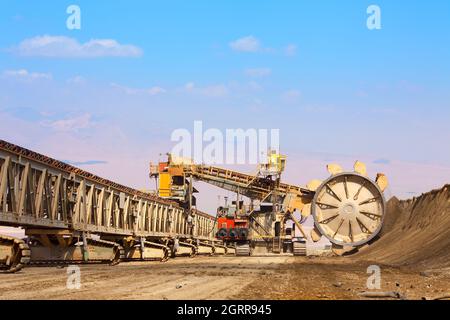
(70, 215)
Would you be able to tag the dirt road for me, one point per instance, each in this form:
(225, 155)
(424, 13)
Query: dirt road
(181, 278)
(221, 278)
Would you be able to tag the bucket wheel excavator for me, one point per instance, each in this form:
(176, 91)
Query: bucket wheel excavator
(348, 208)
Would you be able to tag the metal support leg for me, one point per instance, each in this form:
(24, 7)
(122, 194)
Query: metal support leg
(85, 247)
(142, 247)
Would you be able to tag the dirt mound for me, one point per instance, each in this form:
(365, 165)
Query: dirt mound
(416, 232)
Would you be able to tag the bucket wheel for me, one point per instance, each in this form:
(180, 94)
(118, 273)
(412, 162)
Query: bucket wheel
(349, 208)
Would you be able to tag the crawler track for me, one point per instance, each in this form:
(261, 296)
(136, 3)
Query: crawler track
(15, 254)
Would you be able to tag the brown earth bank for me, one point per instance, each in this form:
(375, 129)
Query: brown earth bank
(416, 233)
(413, 255)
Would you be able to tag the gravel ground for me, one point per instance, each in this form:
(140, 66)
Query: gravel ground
(223, 278)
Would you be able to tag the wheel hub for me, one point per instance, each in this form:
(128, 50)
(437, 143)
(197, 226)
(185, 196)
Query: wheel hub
(348, 209)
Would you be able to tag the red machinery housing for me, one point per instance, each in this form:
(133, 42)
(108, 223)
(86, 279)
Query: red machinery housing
(231, 227)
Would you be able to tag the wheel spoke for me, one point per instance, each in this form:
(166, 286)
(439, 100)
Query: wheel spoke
(333, 193)
(371, 215)
(326, 206)
(362, 226)
(346, 187)
(359, 191)
(328, 220)
(340, 225)
(369, 201)
(350, 233)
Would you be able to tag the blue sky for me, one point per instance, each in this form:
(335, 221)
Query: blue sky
(337, 90)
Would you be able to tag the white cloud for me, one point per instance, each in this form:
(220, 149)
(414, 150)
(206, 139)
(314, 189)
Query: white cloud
(218, 90)
(155, 90)
(65, 47)
(254, 86)
(246, 44)
(24, 74)
(290, 50)
(258, 72)
(132, 91)
(189, 86)
(291, 95)
(70, 124)
(252, 44)
(76, 80)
